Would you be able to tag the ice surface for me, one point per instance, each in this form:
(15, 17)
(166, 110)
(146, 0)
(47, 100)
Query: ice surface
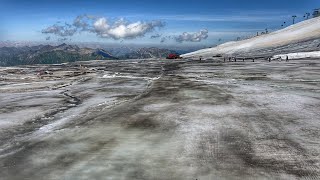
(163, 120)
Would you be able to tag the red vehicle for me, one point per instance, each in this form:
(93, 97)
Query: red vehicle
(173, 56)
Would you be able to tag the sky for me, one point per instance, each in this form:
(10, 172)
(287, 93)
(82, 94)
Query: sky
(149, 22)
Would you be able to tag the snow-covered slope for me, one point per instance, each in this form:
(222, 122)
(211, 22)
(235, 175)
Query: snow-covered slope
(303, 31)
(299, 55)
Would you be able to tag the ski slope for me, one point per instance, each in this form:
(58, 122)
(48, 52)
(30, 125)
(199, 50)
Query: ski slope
(303, 31)
(298, 55)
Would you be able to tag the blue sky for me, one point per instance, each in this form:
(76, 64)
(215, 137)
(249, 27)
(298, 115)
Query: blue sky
(224, 19)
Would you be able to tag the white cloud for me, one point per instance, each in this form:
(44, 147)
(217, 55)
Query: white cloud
(101, 25)
(80, 22)
(192, 37)
(60, 30)
(165, 38)
(155, 36)
(120, 29)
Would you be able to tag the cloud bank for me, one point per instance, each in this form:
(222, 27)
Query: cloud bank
(192, 37)
(104, 28)
(119, 29)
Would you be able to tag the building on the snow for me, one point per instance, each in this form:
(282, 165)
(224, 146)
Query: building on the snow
(316, 13)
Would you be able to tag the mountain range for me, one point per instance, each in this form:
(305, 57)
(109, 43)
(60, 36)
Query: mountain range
(48, 54)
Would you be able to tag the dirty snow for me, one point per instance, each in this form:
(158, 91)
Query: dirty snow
(163, 120)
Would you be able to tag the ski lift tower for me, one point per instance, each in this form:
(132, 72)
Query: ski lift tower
(316, 12)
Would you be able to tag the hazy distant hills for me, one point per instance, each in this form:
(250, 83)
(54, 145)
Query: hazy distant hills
(48, 54)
